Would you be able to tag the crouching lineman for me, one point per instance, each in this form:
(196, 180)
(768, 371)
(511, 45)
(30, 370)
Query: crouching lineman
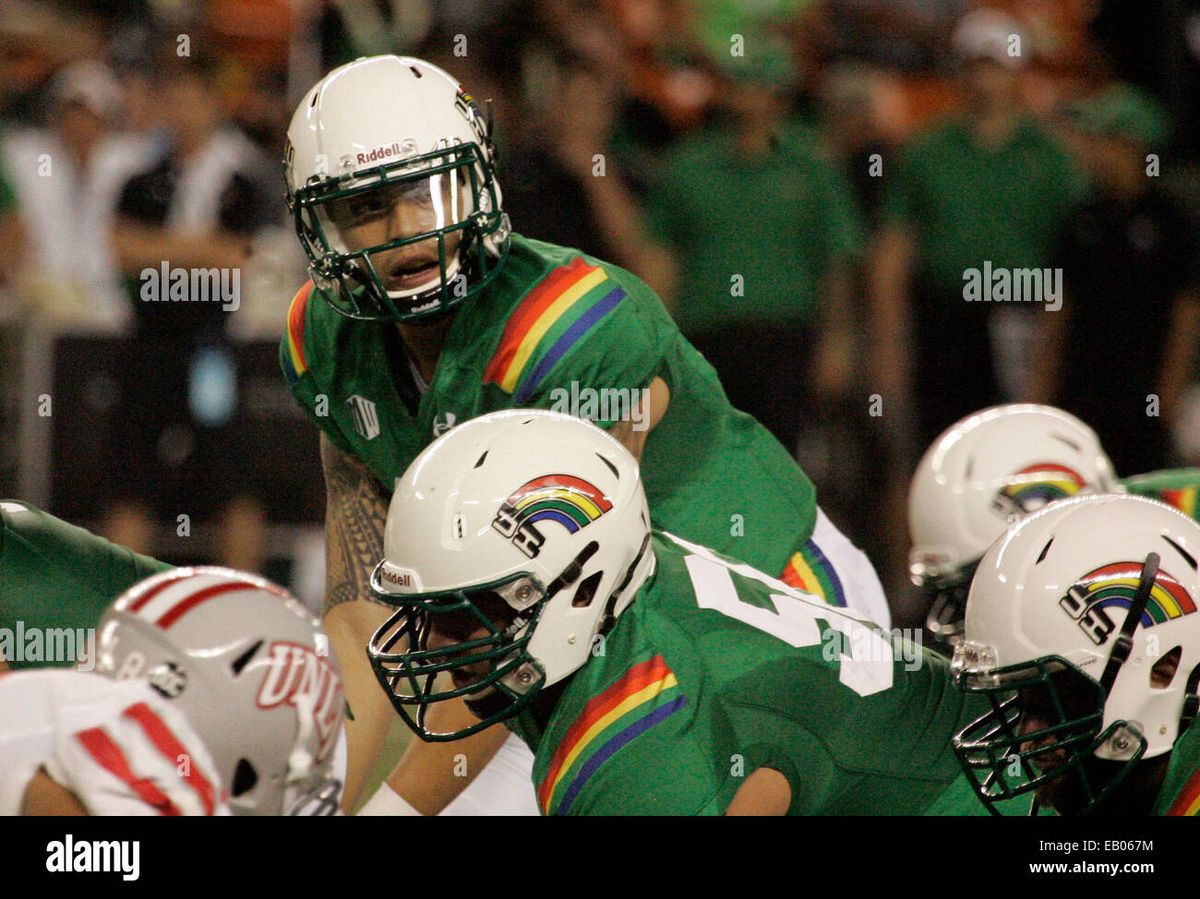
(994, 467)
(1082, 633)
(214, 691)
(647, 673)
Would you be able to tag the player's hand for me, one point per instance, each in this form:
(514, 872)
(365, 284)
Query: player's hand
(833, 370)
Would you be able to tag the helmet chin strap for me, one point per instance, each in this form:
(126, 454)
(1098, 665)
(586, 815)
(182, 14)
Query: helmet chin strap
(610, 612)
(1124, 642)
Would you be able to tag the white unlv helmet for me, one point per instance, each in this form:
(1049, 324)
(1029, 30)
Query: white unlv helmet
(1092, 602)
(512, 540)
(380, 134)
(250, 668)
(981, 474)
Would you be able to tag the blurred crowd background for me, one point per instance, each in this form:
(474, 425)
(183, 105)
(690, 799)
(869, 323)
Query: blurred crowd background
(804, 182)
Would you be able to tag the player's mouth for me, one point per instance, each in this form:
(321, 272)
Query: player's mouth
(413, 274)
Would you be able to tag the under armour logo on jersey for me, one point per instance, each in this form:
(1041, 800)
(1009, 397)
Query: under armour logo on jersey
(443, 423)
(366, 419)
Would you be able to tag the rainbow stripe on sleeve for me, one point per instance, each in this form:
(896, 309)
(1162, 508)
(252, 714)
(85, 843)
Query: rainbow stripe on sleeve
(646, 695)
(553, 317)
(811, 571)
(1183, 499)
(1187, 803)
(294, 362)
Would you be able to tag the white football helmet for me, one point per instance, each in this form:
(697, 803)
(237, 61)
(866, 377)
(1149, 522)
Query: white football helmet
(526, 526)
(250, 668)
(375, 133)
(981, 474)
(1092, 602)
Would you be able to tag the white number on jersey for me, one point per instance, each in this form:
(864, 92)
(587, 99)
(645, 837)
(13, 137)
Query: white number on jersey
(866, 658)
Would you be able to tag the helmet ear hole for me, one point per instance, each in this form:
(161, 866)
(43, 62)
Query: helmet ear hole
(1163, 672)
(585, 593)
(244, 659)
(245, 778)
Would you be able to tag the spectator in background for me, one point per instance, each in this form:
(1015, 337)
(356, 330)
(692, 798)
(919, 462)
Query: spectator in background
(852, 126)
(989, 185)
(754, 235)
(12, 227)
(1120, 352)
(66, 178)
(563, 184)
(196, 208)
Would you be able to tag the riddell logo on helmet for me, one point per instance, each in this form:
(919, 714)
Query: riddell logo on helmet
(295, 674)
(399, 580)
(406, 147)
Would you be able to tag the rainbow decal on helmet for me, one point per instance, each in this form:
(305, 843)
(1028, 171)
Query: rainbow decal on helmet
(1037, 485)
(570, 501)
(1099, 599)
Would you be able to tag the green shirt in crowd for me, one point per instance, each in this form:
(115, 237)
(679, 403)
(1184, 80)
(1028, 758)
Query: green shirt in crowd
(752, 238)
(966, 204)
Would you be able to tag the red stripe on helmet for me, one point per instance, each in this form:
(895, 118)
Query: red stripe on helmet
(109, 756)
(184, 606)
(152, 592)
(168, 744)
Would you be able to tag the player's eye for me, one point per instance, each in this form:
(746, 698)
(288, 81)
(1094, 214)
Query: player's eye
(368, 207)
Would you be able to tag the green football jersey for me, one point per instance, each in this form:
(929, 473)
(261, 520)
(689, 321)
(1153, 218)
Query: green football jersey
(56, 578)
(563, 331)
(715, 670)
(960, 799)
(1180, 793)
(1176, 487)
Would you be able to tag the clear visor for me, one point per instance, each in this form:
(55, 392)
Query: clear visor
(401, 229)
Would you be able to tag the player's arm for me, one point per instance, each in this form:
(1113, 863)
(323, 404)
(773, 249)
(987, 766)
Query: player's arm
(765, 792)
(355, 512)
(1180, 354)
(427, 775)
(633, 437)
(45, 796)
(1051, 345)
(888, 287)
(138, 247)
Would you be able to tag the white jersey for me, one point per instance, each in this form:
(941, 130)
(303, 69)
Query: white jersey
(503, 787)
(116, 745)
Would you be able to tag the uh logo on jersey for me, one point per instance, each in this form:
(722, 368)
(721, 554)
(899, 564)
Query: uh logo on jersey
(297, 676)
(364, 416)
(570, 501)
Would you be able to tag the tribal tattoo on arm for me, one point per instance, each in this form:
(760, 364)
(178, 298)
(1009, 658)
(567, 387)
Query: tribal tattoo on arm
(355, 513)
